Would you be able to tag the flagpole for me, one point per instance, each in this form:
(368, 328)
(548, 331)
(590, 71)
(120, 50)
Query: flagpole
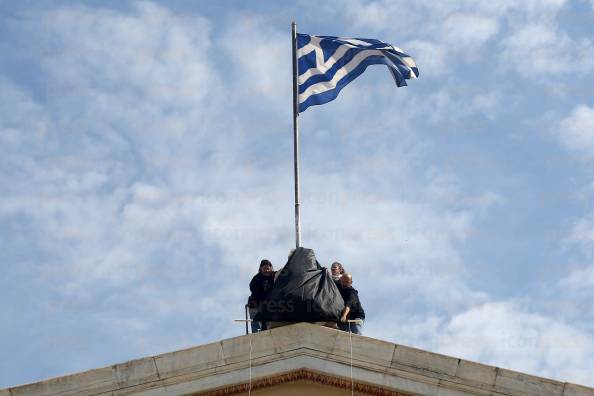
(296, 135)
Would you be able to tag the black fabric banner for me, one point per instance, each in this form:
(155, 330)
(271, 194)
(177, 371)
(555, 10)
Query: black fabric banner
(303, 292)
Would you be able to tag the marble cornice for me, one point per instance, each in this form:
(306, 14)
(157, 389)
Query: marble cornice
(299, 352)
(306, 375)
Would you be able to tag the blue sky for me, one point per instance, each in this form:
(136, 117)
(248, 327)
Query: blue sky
(146, 169)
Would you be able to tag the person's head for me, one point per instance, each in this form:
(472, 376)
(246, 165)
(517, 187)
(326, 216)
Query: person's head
(265, 267)
(346, 280)
(336, 268)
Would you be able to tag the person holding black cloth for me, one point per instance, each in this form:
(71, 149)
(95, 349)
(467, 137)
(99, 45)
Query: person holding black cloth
(352, 306)
(260, 286)
(336, 271)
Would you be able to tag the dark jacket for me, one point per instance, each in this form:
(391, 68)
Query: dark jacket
(338, 284)
(351, 299)
(260, 286)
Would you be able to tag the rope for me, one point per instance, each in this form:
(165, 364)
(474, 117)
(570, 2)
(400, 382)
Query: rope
(351, 343)
(250, 386)
(250, 359)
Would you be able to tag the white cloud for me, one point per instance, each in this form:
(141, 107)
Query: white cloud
(449, 104)
(579, 279)
(130, 99)
(576, 131)
(431, 55)
(542, 51)
(531, 41)
(583, 232)
(150, 50)
(375, 15)
(511, 8)
(19, 109)
(260, 55)
(578, 284)
(507, 335)
(468, 30)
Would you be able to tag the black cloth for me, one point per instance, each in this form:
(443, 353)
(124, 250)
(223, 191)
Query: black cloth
(338, 284)
(350, 296)
(302, 292)
(260, 286)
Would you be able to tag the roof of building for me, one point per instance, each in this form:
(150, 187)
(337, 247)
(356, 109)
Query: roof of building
(300, 352)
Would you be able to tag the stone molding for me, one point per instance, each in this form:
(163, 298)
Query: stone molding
(303, 375)
(292, 349)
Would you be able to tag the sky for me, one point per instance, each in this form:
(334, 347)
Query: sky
(146, 169)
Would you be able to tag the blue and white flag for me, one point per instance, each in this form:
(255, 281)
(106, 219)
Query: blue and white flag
(326, 64)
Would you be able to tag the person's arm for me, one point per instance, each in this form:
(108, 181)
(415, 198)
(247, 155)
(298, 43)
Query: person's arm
(254, 285)
(349, 304)
(252, 298)
(345, 313)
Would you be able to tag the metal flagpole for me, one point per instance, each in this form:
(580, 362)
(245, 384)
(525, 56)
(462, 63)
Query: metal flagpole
(296, 135)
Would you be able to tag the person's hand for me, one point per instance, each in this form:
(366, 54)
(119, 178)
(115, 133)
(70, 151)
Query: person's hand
(343, 319)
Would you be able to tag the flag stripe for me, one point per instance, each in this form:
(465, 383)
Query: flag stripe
(324, 82)
(327, 64)
(348, 62)
(332, 90)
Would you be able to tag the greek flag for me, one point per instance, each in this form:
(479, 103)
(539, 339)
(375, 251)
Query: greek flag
(326, 64)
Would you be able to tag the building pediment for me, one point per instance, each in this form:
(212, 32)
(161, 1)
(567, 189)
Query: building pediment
(300, 355)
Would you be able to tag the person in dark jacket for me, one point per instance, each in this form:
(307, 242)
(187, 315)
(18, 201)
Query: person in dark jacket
(336, 271)
(353, 310)
(260, 286)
